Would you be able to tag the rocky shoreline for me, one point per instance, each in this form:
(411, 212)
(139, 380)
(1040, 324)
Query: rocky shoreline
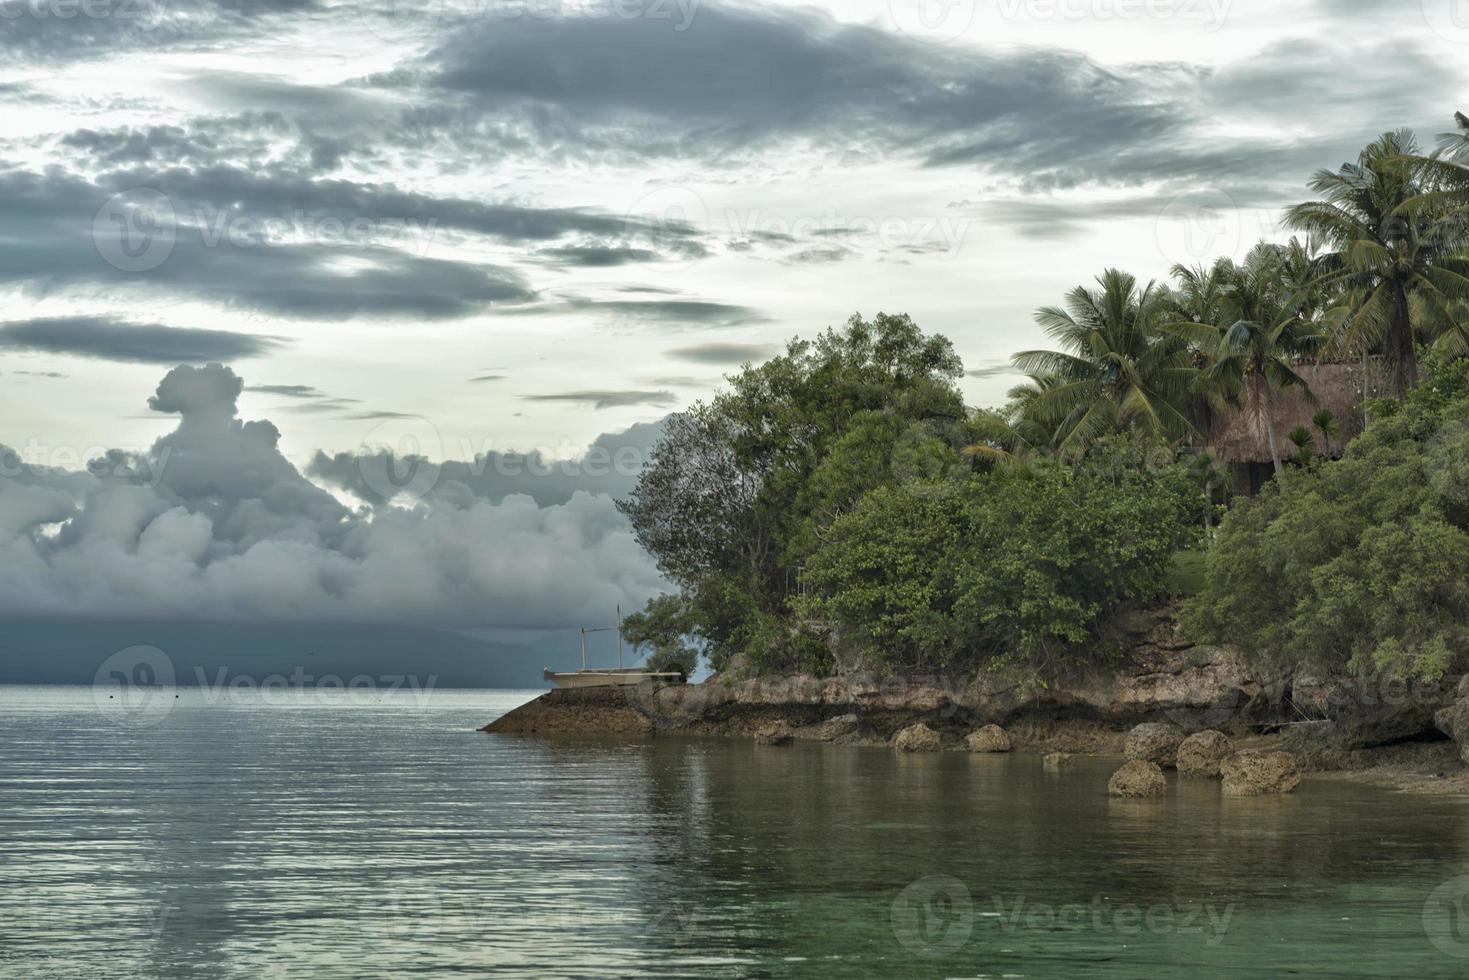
(1402, 735)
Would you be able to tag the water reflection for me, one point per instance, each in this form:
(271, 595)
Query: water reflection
(390, 838)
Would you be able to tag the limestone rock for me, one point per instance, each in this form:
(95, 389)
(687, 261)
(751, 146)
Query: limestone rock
(1153, 742)
(1056, 761)
(916, 738)
(776, 734)
(1258, 773)
(1201, 753)
(839, 728)
(990, 738)
(1137, 778)
(1453, 721)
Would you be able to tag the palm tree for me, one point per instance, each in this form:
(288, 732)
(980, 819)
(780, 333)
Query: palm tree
(1263, 329)
(1447, 325)
(1393, 240)
(1117, 368)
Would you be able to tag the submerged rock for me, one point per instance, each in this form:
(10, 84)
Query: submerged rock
(839, 728)
(1257, 773)
(1056, 761)
(1137, 778)
(916, 738)
(1201, 753)
(776, 734)
(587, 711)
(1453, 721)
(990, 738)
(1154, 742)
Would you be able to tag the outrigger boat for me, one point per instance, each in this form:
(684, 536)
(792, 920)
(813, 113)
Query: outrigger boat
(619, 676)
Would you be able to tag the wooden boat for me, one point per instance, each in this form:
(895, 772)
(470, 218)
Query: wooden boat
(618, 676)
(611, 677)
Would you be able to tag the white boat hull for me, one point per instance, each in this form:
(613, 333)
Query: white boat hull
(628, 677)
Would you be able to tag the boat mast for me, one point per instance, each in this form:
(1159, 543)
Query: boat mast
(583, 648)
(619, 636)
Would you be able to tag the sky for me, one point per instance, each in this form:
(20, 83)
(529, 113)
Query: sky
(508, 237)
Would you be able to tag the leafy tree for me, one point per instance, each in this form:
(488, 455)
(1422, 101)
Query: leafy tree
(742, 488)
(662, 631)
(1360, 563)
(1005, 569)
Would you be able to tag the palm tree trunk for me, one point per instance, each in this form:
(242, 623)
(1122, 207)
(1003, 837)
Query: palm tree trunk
(1270, 423)
(1400, 352)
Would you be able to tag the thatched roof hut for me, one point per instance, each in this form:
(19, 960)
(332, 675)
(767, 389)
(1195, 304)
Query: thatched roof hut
(1238, 436)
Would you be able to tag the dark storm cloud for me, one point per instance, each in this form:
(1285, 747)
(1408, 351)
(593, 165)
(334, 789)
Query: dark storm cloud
(287, 391)
(740, 80)
(110, 339)
(818, 256)
(993, 369)
(742, 76)
(733, 354)
(241, 190)
(66, 232)
(598, 257)
(1395, 79)
(601, 399)
(129, 146)
(378, 415)
(280, 244)
(324, 406)
(685, 312)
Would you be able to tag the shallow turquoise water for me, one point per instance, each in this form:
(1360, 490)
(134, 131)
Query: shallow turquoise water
(380, 835)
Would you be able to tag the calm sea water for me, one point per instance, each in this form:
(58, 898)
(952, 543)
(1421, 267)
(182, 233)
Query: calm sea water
(381, 835)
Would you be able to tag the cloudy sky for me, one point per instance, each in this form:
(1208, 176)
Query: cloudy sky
(476, 229)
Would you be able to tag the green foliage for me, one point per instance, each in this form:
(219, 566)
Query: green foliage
(1185, 574)
(1359, 563)
(1003, 569)
(1117, 369)
(1398, 243)
(741, 489)
(662, 631)
(840, 499)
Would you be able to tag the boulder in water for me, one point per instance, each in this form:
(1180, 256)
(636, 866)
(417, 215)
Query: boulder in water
(990, 738)
(1153, 742)
(916, 738)
(1201, 753)
(1257, 773)
(1056, 761)
(1137, 778)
